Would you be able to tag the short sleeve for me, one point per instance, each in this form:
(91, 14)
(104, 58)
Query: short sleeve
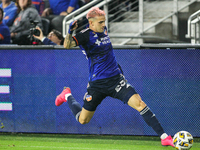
(82, 37)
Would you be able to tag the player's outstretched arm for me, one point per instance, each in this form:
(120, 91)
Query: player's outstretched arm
(69, 42)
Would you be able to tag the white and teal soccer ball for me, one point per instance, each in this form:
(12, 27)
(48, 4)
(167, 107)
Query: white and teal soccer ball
(183, 140)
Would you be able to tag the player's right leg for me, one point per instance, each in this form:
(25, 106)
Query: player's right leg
(66, 96)
(61, 98)
(85, 116)
(91, 100)
(82, 115)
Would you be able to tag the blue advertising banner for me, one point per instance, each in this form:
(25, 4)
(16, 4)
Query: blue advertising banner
(167, 80)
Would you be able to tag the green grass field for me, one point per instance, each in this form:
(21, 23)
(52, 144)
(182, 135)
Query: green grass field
(21, 141)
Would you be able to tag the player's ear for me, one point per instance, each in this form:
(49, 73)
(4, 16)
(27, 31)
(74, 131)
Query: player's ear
(91, 21)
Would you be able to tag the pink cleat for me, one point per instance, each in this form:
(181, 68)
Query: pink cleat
(61, 98)
(168, 141)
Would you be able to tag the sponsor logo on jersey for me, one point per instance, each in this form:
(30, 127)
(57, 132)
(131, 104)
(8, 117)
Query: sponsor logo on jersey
(103, 40)
(98, 42)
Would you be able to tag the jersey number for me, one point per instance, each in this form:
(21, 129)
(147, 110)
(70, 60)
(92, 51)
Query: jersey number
(121, 84)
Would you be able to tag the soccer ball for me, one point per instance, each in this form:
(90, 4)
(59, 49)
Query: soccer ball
(183, 140)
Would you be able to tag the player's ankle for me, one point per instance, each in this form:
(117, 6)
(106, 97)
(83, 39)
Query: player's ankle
(163, 136)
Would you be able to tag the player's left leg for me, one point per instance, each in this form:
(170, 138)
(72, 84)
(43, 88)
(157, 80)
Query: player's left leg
(149, 117)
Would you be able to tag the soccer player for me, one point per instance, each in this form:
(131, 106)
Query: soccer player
(105, 75)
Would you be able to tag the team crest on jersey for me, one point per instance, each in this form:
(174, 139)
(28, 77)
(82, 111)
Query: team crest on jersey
(88, 98)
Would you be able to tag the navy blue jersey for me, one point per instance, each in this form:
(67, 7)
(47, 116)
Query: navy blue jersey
(99, 51)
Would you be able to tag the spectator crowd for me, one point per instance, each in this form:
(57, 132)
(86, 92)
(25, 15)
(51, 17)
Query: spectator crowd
(19, 20)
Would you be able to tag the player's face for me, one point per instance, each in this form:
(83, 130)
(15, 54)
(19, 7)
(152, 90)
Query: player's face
(98, 24)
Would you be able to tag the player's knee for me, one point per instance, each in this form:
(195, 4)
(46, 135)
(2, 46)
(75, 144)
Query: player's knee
(136, 102)
(142, 105)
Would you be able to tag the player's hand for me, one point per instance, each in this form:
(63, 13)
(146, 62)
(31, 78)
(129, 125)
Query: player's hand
(73, 25)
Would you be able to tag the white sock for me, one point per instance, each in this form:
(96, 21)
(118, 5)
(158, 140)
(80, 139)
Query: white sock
(67, 95)
(163, 136)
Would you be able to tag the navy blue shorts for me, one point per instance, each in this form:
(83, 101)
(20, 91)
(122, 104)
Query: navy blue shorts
(116, 87)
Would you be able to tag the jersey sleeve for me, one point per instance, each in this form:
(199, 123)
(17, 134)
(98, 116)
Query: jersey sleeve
(81, 38)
